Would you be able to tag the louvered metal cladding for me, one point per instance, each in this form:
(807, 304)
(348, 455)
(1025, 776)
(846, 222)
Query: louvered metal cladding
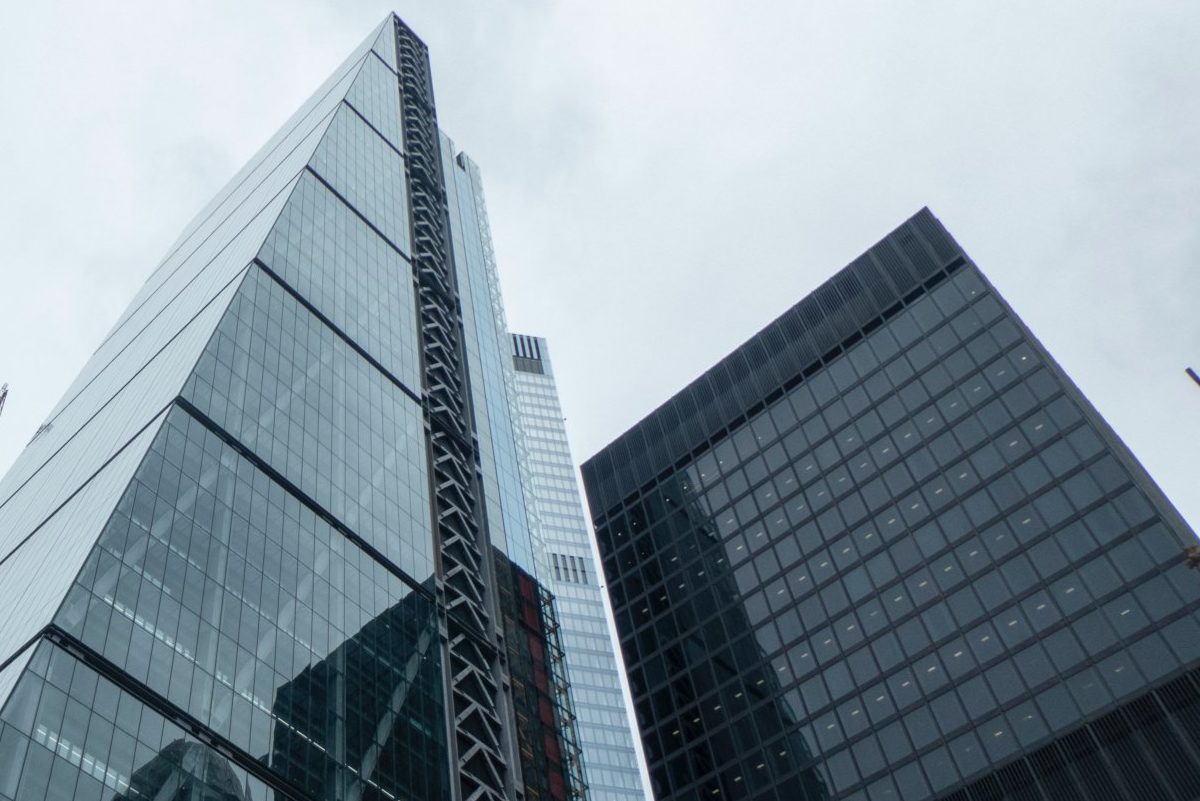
(473, 657)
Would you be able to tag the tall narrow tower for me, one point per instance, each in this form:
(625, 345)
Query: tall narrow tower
(612, 760)
(268, 545)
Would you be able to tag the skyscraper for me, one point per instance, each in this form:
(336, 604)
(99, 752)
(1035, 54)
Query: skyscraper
(605, 735)
(887, 550)
(273, 542)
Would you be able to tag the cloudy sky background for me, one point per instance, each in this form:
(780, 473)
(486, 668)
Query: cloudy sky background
(663, 178)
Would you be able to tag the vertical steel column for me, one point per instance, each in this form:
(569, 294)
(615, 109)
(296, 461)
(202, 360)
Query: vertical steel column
(478, 737)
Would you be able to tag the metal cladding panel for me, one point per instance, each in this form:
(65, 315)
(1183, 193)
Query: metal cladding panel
(918, 252)
(944, 247)
(823, 319)
(872, 283)
(726, 378)
(676, 434)
(690, 429)
(893, 266)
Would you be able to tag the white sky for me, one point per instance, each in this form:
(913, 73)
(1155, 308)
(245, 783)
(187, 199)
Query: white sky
(663, 178)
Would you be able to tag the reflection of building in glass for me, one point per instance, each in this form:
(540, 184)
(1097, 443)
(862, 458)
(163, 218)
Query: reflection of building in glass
(344, 723)
(964, 585)
(610, 758)
(185, 771)
(257, 531)
(708, 674)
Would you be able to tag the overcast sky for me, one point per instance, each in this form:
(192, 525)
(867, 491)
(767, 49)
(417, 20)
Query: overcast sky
(663, 178)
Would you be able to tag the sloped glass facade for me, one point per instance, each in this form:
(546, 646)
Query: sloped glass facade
(886, 550)
(232, 565)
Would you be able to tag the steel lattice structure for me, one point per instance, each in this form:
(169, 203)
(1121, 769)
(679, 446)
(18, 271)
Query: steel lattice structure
(479, 743)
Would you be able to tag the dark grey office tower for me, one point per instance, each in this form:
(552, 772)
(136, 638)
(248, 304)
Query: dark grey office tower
(885, 550)
(272, 543)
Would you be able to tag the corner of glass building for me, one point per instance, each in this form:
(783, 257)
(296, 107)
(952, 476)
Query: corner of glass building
(887, 550)
(273, 542)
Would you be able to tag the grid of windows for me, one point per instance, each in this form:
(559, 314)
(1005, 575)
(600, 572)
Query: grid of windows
(927, 546)
(80, 736)
(255, 613)
(225, 217)
(570, 568)
(610, 759)
(218, 590)
(288, 388)
(325, 252)
(373, 95)
(369, 174)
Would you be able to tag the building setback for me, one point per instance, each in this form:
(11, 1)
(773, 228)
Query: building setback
(887, 550)
(610, 757)
(273, 542)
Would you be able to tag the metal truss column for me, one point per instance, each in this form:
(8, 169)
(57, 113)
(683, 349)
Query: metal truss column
(478, 740)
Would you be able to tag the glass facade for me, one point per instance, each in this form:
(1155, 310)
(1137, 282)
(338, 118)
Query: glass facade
(486, 345)
(610, 758)
(250, 554)
(529, 613)
(886, 550)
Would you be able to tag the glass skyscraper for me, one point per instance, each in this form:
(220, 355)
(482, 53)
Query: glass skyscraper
(273, 542)
(610, 757)
(886, 550)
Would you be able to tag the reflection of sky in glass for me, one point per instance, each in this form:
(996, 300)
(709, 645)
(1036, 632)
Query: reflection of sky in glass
(244, 466)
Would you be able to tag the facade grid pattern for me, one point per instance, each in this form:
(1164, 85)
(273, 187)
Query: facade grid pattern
(611, 760)
(221, 573)
(931, 549)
